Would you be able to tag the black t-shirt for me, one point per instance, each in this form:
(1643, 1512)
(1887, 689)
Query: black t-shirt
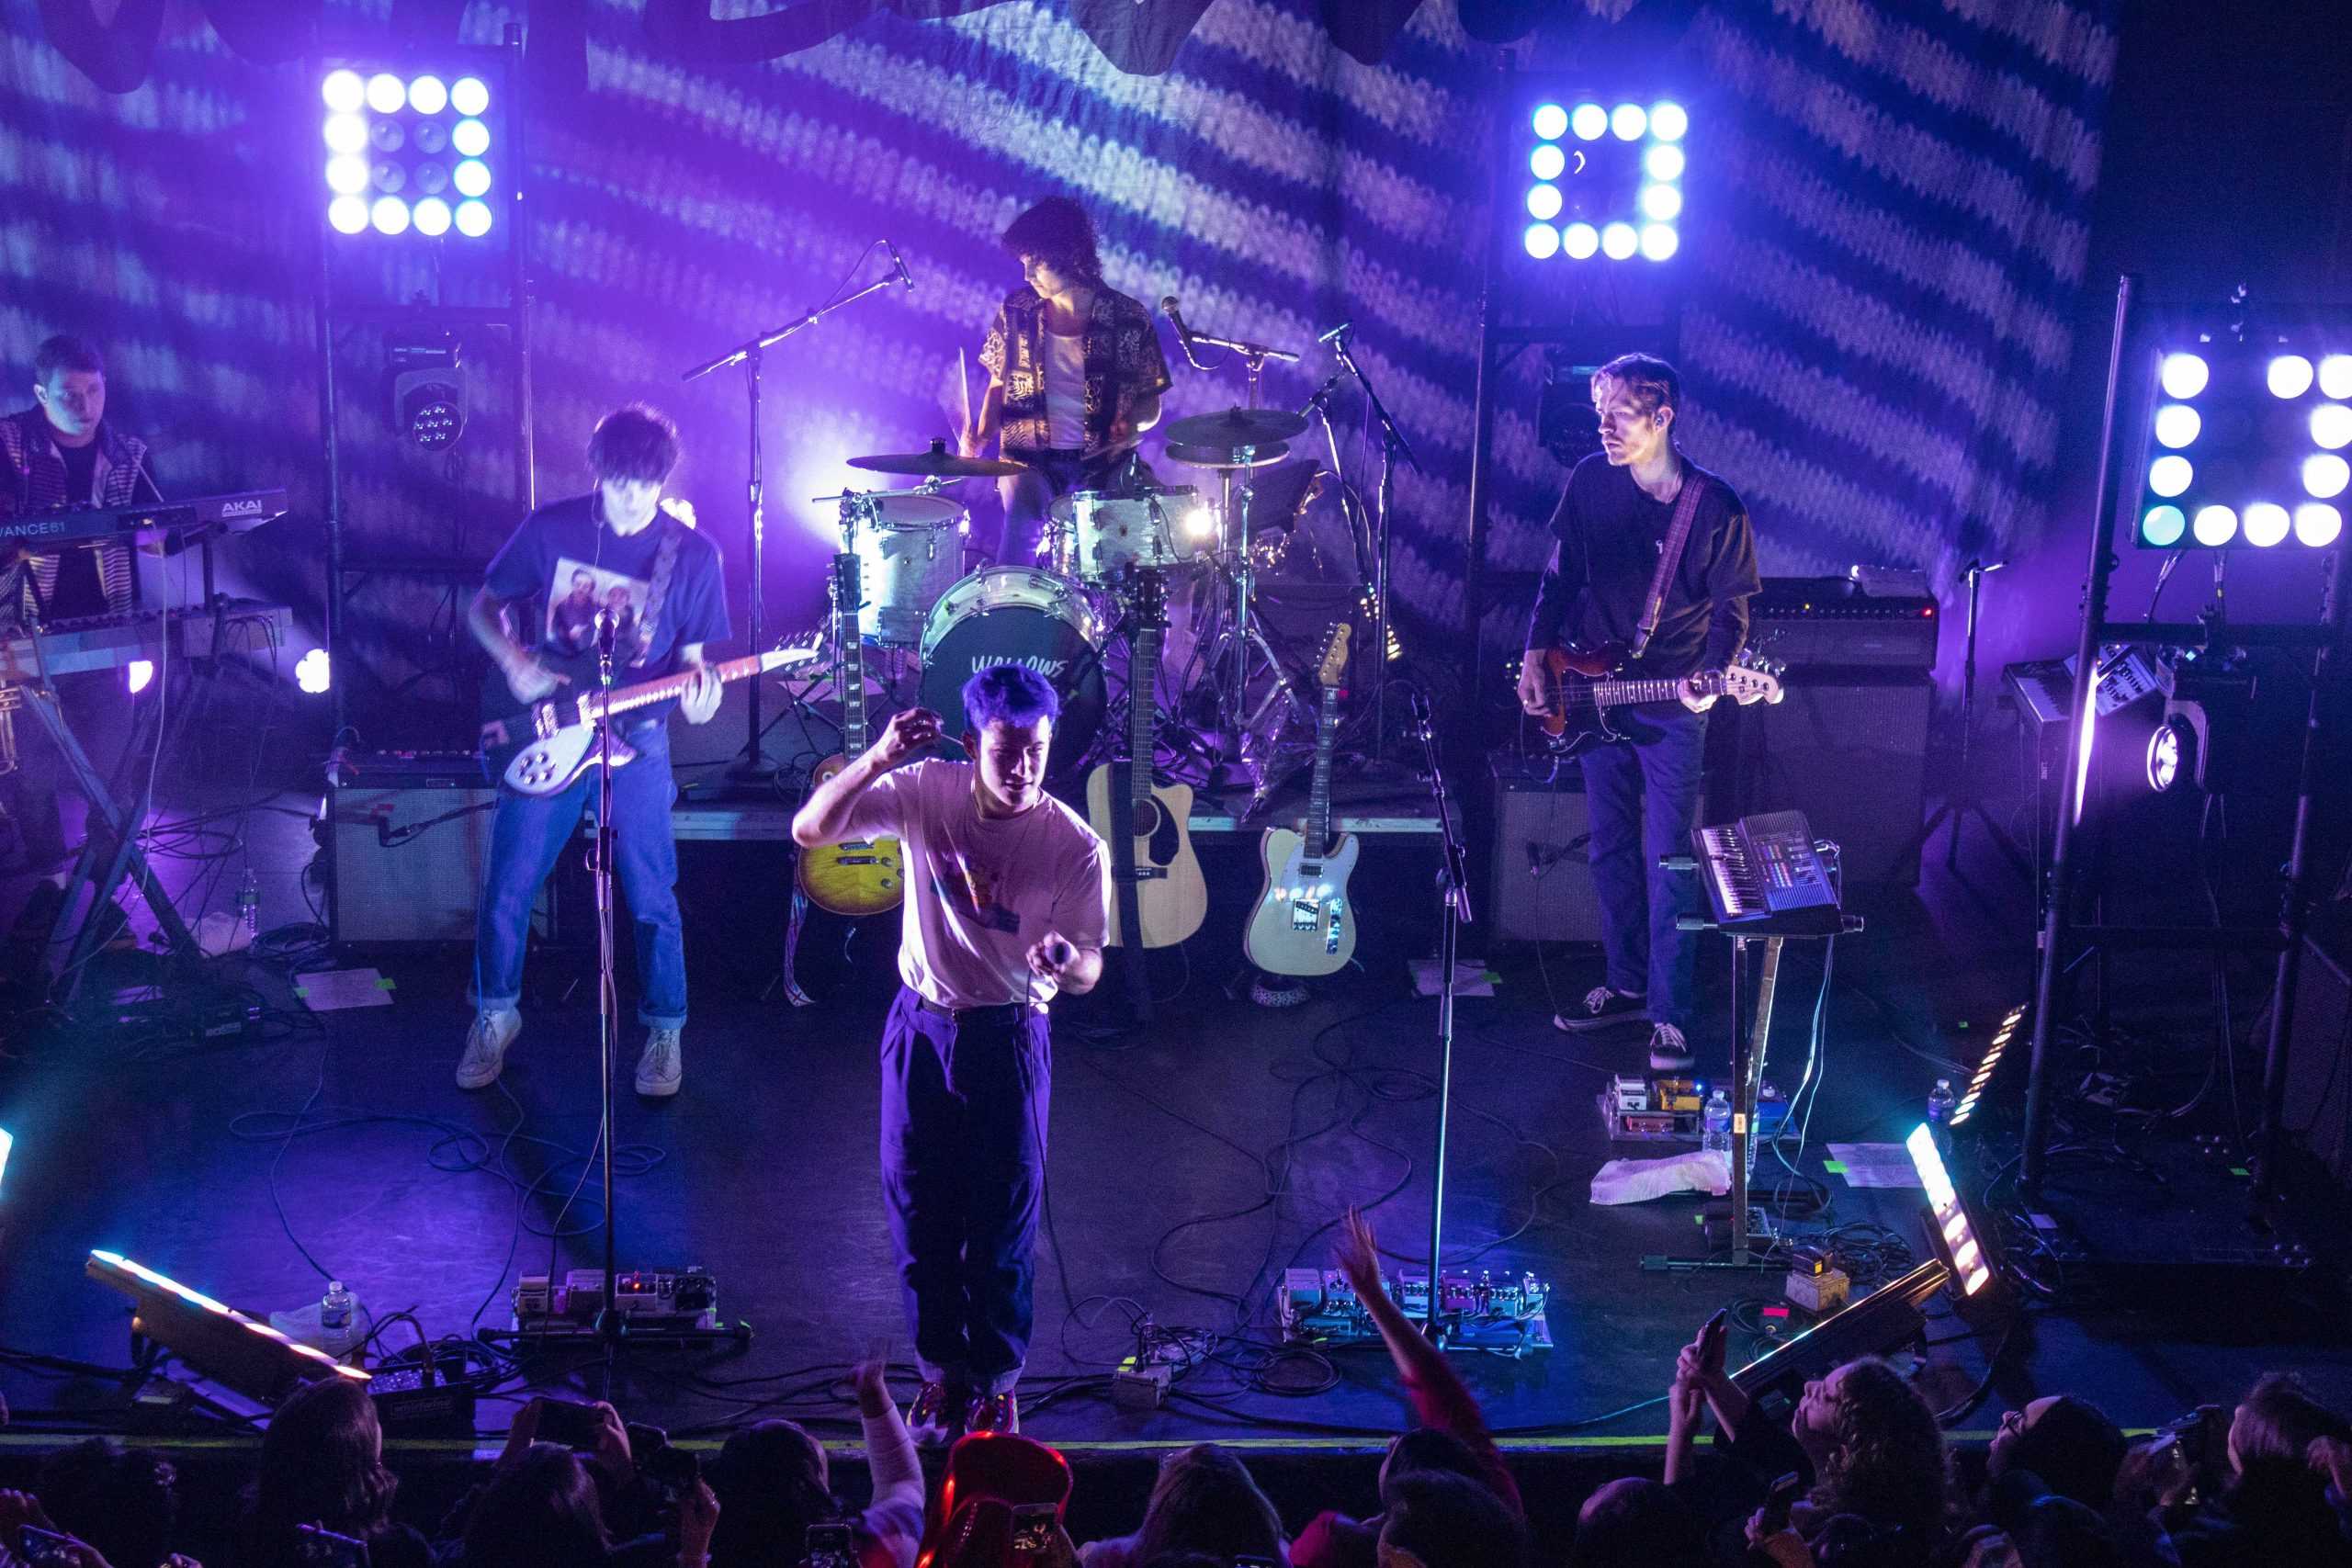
(570, 563)
(81, 471)
(1607, 536)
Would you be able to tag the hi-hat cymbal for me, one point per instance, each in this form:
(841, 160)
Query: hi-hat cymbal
(1220, 457)
(938, 462)
(1237, 428)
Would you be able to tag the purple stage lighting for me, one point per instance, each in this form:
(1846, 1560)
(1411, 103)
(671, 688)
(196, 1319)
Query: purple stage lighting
(1607, 178)
(398, 141)
(2244, 427)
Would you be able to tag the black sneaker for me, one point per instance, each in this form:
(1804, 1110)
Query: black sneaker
(1669, 1053)
(1604, 1008)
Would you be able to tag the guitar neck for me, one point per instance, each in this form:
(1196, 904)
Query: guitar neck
(621, 699)
(1143, 678)
(851, 677)
(1319, 793)
(1614, 692)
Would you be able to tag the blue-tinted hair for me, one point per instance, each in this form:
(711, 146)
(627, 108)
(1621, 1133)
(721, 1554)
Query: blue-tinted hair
(1014, 693)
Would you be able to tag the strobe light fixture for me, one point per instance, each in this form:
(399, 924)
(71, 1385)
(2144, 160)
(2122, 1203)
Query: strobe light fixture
(1989, 1066)
(1950, 1228)
(223, 1343)
(410, 152)
(1606, 178)
(2247, 442)
(428, 388)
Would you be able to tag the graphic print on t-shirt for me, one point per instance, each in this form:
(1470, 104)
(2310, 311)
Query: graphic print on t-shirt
(577, 593)
(969, 888)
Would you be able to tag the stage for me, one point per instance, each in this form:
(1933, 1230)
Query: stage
(1191, 1162)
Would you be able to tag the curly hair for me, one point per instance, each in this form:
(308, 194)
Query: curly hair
(1056, 230)
(323, 1463)
(1886, 1460)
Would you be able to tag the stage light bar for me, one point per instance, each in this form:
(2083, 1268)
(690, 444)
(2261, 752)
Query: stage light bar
(1607, 179)
(216, 1339)
(2244, 426)
(8, 1142)
(1972, 1271)
(398, 143)
(2004, 1035)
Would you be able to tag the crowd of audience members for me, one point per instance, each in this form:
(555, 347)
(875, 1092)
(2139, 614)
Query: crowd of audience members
(1857, 1474)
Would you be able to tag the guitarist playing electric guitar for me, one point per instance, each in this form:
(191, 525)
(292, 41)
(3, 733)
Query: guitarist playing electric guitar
(1654, 554)
(608, 567)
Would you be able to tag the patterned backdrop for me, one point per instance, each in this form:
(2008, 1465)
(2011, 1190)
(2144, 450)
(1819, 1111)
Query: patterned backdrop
(1885, 232)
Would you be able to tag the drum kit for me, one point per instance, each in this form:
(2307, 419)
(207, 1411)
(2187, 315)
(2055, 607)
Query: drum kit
(1107, 552)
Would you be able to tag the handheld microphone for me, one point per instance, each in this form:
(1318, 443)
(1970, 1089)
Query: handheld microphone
(1168, 308)
(1059, 953)
(899, 263)
(1339, 331)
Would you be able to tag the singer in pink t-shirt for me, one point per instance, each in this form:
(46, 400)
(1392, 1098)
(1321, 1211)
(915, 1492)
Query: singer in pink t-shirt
(1007, 904)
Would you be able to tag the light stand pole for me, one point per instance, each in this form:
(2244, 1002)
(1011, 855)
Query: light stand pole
(1960, 801)
(1453, 893)
(754, 766)
(1392, 447)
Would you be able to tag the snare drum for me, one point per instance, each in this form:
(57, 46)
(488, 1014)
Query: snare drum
(1108, 535)
(1017, 615)
(912, 548)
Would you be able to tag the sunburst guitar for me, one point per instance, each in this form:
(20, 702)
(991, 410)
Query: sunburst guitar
(856, 876)
(1125, 804)
(1304, 923)
(1583, 686)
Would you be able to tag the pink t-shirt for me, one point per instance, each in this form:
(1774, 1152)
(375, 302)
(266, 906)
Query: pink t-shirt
(981, 891)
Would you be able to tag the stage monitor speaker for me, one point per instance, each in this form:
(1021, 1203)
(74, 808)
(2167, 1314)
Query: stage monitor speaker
(407, 834)
(2319, 1059)
(1851, 753)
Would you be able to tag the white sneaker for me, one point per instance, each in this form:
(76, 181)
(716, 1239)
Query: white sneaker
(486, 1044)
(660, 1070)
(1669, 1053)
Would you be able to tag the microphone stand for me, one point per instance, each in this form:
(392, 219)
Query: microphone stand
(1392, 445)
(610, 1328)
(1454, 893)
(754, 766)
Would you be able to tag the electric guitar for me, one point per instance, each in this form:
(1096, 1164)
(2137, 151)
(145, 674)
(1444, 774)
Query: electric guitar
(541, 748)
(1303, 922)
(1170, 898)
(1584, 685)
(856, 876)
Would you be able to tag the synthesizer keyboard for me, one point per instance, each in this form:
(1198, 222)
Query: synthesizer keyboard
(1765, 878)
(109, 642)
(236, 512)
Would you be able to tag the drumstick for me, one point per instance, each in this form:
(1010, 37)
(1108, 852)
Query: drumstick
(963, 387)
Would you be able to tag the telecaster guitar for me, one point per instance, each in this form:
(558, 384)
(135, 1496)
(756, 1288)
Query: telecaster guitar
(1584, 685)
(1304, 923)
(857, 876)
(1171, 899)
(541, 748)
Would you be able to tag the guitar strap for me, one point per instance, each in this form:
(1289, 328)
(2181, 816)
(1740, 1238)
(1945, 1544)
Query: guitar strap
(1669, 556)
(665, 560)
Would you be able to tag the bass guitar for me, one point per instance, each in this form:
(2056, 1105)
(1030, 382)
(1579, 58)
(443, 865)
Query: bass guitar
(856, 876)
(1583, 685)
(1304, 923)
(1171, 896)
(541, 748)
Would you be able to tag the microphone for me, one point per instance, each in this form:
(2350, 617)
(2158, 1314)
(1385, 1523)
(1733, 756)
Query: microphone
(1339, 331)
(608, 627)
(1059, 953)
(1168, 308)
(1322, 393)
(899, 263)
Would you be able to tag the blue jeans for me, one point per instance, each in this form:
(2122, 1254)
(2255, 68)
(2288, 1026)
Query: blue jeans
(528, 833)
(964, 1174)
(1640, 797)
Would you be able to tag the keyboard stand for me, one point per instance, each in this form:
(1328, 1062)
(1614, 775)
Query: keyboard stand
(125, 858)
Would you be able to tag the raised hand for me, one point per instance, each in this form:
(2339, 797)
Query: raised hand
(907, 736)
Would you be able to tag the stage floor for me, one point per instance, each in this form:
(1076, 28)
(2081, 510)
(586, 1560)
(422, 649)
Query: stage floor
(1190, 1163)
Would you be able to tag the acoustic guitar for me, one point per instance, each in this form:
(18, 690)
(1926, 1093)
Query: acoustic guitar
(1305, 923)
(1171, 896)
(856, 876)
(1584, 685)
(541, 748)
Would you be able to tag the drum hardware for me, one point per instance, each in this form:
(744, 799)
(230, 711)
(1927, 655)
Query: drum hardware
(1021, 615)
(938, 462)
(1392, 447)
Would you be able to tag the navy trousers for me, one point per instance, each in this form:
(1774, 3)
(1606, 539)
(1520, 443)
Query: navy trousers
(1641, 797)
(964, 1174)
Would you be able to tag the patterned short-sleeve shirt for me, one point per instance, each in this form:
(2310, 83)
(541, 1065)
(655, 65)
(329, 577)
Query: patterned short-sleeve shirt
(1123, 365)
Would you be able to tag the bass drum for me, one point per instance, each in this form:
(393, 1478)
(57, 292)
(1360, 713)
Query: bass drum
(1016, 614)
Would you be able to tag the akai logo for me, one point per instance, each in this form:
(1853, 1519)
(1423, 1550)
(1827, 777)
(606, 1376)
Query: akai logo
(250, 507)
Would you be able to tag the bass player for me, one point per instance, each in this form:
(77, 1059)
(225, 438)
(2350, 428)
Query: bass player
(1653, 552)
(654, 596)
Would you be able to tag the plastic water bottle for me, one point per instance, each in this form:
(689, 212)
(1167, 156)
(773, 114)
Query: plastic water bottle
(1940, 1100)
(335, 1319)
(249, 905)
(1715, 1134)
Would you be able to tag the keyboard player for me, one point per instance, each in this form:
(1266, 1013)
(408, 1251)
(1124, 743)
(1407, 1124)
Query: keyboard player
(59, 454)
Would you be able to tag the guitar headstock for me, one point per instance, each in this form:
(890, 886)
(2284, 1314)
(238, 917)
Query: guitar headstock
(1753, 677)
(1151, 595)
(792, 652)
(1332, 664)
(849, 585)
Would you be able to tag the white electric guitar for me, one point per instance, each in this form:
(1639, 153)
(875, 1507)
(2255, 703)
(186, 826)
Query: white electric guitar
(1304, 923)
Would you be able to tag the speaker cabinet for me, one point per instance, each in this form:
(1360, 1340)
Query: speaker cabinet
(407, 834)
(1538, 887)
(1849, 752)
(2319, 1058)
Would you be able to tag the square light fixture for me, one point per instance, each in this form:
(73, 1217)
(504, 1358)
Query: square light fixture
(1606, 178)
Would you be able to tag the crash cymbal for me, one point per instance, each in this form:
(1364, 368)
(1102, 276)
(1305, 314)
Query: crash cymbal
(938, 462)
(1237, 428)
(1219, 457)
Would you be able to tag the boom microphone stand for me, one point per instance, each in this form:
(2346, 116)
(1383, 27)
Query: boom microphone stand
(1453, 893)
(1392, 447)
(754, 766)
(1961, 801)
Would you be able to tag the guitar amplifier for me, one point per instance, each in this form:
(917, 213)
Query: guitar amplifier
(1832, 623)
(1538, 883)
(1851, 754)
(406, 835)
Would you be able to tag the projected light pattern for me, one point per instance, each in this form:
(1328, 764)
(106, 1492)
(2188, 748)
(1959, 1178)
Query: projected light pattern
(2247, 427)
(393, 141)
(1605, 204)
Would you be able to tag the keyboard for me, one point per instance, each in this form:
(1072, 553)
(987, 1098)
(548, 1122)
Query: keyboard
(1765, 878)
(235, 512)
(109, 642)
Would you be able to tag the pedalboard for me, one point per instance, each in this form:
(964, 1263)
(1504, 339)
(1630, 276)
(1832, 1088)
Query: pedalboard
(1318, 1307)
(651, 1300)
(1672, 1110)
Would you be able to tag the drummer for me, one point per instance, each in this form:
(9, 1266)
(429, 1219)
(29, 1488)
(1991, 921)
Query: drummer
(1075, 375)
